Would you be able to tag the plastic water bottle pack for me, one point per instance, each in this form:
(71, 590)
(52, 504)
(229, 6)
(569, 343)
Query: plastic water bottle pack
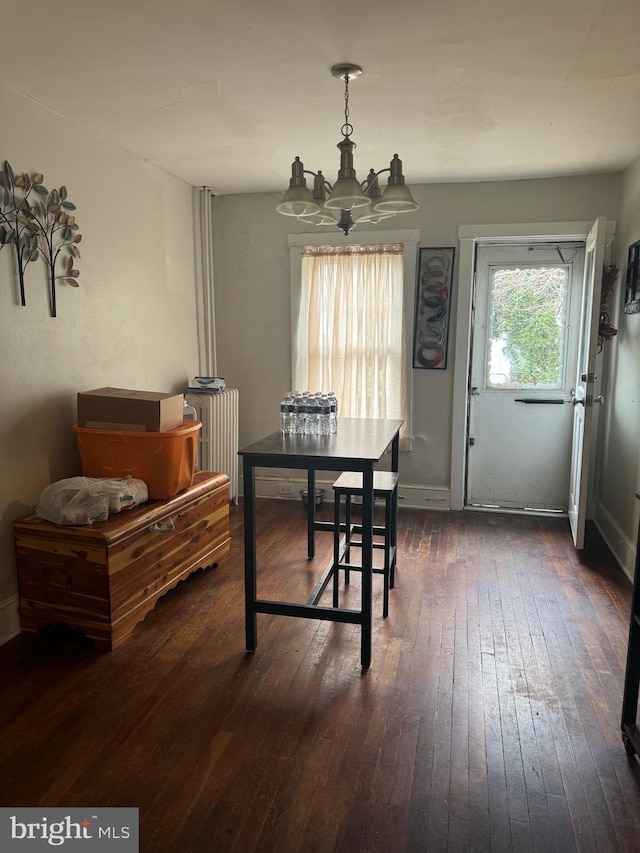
(309, 413)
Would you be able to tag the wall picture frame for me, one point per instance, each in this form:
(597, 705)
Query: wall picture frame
(433, 307)
(632, 285)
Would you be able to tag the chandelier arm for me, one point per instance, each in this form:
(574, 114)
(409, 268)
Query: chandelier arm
(326, 183)
(370, 179)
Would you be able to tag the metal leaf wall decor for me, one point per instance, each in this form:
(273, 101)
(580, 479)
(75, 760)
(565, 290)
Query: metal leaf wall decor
(38, 223)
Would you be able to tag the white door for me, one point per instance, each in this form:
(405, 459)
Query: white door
(585, 381)
(523, 364)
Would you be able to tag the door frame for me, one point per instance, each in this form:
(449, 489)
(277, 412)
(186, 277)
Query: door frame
(470, 236)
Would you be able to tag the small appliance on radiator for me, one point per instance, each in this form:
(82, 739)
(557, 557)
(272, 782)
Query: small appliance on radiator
(218, 443)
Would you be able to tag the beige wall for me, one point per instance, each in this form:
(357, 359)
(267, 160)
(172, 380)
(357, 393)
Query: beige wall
(130, 324)
(251, 262)
(619, 475)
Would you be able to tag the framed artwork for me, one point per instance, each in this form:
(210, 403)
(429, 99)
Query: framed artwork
(433, 308)
(632, 287)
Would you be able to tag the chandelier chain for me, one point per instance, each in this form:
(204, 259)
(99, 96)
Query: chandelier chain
(347, 128)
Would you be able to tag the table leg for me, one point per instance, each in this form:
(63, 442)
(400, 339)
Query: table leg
(336, 546)
(395, 462)
(311, 513)
(250, 586)
(395, 453)
(367, 566)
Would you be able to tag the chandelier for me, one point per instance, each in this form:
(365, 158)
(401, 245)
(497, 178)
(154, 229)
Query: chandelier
(348, 202)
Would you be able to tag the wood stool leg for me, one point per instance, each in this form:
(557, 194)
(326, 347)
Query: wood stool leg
(394, 535)
(347, 541)
(336, 546)
(387, 553)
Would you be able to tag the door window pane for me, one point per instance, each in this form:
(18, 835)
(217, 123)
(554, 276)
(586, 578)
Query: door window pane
(527, 327)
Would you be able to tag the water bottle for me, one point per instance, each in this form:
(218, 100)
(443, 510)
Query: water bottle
(325, 415)
(316, 415)
(188, 412)
(297, 421)
(333, 417)
(285, 414)
(307, 408)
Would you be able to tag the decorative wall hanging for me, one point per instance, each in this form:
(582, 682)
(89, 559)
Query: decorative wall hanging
(38, 223)
(433, 300)
(605, 330)
(632, 288)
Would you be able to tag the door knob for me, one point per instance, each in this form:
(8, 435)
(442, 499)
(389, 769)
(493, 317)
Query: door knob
(577, 401)
(599, 399)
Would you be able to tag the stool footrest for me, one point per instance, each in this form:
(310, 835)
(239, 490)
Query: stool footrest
(355, 567)
(378, 529)
(356, 543)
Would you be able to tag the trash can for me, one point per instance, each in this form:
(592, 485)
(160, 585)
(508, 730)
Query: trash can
(319, 497)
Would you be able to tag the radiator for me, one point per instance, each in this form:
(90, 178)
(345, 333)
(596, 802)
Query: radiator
(218, 443)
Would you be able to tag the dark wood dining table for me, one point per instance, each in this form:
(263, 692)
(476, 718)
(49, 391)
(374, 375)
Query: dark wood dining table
(358, 445)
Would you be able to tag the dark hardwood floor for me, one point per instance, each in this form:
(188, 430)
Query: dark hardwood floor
(488, 721)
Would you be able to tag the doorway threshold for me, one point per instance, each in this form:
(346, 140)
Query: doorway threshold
(510, 510)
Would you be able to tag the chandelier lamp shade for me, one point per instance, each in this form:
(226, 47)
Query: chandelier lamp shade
(348, 202)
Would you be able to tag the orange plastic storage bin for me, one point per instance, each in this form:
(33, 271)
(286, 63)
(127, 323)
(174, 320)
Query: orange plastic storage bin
(165, 461)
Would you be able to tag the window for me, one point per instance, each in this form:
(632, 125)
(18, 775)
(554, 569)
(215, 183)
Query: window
(350, 328)
(363, 383)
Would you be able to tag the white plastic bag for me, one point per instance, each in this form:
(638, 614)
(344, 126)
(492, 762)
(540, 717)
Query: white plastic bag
(83, 500)
(73, 501)
(123, 493)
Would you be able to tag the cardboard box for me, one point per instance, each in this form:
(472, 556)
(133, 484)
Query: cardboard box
(132, 411)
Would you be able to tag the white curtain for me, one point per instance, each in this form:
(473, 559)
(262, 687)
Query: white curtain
(350, 329)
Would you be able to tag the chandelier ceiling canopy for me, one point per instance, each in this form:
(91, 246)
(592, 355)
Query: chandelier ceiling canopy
(347, 202)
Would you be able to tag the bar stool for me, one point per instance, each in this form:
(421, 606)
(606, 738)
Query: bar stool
(349, 485)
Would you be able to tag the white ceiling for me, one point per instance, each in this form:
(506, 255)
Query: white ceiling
(224, 93)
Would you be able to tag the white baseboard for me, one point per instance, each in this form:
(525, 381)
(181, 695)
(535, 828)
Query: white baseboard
(424, 497)
(620, 545)
(9, 619)
(416, 497)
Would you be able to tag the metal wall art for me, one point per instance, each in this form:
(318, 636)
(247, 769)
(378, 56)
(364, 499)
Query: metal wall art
(38, 223)
(433, 301)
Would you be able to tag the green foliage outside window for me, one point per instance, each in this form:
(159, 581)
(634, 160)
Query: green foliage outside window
(528, 318)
